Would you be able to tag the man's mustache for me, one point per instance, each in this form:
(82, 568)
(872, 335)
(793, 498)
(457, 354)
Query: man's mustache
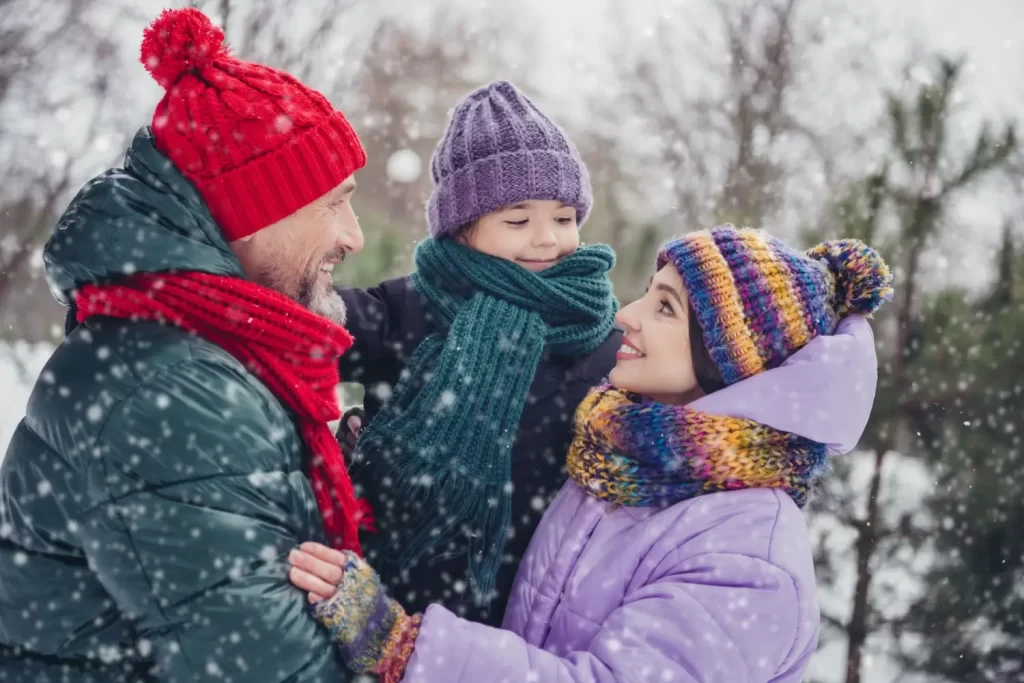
(338, 255)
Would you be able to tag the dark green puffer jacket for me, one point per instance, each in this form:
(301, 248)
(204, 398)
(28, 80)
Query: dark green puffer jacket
(150, 496)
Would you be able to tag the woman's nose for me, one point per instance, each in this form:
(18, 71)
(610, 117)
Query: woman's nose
(627, 318)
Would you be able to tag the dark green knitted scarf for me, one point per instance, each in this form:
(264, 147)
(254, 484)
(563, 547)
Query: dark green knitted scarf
(447, 429)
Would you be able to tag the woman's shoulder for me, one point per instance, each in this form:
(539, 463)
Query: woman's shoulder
(762, 524)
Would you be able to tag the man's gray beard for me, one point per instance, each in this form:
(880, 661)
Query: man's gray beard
(325, 303)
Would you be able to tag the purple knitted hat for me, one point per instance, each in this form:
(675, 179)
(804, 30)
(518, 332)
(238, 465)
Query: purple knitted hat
(498, 150)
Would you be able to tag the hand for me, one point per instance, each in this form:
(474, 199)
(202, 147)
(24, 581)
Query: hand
(372, 631)
(355, 424)
(317, 570)
(349, 429)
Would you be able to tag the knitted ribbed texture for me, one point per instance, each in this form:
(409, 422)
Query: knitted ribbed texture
(360, 616)
(291, 350)
(639, 453)
(759, 301)
(399, 648)
(447, 429)
(500, 149)
(257, 144)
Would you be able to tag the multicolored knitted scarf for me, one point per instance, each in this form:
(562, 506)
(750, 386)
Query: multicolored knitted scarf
(447, 428)
(651, 454)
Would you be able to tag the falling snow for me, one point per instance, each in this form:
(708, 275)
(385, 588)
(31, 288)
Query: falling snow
(192, 519)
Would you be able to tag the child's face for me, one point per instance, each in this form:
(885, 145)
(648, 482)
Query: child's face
(536, 234)
(655, 359)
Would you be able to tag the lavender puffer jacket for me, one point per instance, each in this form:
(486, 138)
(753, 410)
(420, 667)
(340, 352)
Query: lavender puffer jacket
(717, 588)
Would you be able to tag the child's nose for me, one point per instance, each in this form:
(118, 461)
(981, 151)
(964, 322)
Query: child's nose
(544, 236)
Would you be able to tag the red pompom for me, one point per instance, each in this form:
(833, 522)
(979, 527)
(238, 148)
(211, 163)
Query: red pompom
(180, 41)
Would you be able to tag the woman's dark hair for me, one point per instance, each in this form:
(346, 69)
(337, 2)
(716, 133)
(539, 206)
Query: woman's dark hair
(708, 376)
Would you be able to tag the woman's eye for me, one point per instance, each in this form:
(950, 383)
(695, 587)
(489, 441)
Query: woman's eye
(519, 224)
(565, 221)
(665, 307)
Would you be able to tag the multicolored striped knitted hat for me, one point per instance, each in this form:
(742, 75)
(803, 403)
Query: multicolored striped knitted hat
(758, 301)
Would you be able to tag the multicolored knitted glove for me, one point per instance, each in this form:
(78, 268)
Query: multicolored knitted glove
(372, 631)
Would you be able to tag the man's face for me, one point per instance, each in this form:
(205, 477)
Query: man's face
(296, 255)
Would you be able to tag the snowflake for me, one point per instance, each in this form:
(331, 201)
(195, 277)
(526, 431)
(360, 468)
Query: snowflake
(404, 166)
(109, 654)
(283, 123)
(382, 390)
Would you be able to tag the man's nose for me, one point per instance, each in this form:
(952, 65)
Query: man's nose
(352, 237)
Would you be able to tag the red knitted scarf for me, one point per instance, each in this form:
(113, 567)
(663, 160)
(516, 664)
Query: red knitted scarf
(291, 350)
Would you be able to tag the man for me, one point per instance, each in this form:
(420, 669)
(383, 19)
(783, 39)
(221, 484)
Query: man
(175, 447)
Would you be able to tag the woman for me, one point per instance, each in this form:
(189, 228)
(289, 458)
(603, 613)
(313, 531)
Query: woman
(677, 550)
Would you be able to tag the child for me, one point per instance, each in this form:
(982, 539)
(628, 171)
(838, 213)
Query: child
(474, 364)
(677, 550)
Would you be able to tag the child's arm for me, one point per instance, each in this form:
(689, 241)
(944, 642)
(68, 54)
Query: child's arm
(703, 619)
(372, 315)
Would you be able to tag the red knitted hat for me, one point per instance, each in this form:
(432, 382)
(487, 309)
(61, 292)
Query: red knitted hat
(256, 143)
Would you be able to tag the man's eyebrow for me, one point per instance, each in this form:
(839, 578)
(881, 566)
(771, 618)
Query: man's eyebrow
(341, 192)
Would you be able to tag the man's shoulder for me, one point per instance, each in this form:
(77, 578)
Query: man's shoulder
(126, 354)
(105, 362)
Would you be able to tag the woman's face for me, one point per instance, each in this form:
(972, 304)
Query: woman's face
(655, 359)
(535, 234)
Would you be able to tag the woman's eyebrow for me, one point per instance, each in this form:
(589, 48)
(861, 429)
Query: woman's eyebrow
(662, 287)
